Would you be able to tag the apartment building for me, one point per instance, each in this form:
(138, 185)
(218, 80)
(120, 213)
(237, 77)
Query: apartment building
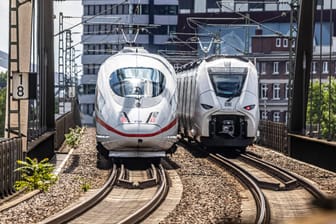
(106, 23)
(271, 54)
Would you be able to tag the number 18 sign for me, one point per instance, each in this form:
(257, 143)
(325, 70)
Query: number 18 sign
(20, 85)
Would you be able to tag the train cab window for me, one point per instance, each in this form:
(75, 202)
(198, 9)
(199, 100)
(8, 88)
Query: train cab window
(228, 83)
(137, 82)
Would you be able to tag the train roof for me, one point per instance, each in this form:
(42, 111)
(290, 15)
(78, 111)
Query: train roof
(210, 58)
(141, 51)
(133, 50)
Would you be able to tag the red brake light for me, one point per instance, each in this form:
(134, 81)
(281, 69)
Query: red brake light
(249, 107)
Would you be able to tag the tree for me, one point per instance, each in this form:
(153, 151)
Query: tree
(3, 77)
(318, 108)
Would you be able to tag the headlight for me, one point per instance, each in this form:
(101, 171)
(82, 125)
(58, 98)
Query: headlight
(123, 118)
(206, 106)
(152, 117)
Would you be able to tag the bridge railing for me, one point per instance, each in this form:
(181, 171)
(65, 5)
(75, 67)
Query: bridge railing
(10, 152)
(63, 124)
(273, 135)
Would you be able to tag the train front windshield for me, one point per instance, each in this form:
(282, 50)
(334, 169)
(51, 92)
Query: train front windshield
(137, 82)
(228, 82)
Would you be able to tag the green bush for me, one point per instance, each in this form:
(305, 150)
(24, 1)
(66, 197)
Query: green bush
(35, 175)
(73, 137)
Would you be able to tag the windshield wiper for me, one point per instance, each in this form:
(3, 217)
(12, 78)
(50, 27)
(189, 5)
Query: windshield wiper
(230, 98)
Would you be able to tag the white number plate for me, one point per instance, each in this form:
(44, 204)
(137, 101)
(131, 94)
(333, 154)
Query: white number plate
(227, 104)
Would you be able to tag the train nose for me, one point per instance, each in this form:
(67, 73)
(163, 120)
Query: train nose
(139, 129)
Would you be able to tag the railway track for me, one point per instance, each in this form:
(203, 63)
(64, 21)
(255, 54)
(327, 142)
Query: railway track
(262, 207)
(282, 194)
(125, 198)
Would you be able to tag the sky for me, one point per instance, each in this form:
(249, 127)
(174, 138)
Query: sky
(70, 8)
(4, 25)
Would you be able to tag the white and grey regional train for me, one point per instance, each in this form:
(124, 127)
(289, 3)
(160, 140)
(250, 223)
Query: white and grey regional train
(218, 101)
(136, 105)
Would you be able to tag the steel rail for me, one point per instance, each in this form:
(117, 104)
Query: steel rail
(149, 207)
(73, 212)
(317, 193)
(289, 181)
(263, 211)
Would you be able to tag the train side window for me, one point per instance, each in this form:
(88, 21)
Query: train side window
(185, 89)
(189, 98)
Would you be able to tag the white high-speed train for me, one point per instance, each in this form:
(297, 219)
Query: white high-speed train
(136, 105)
(218, 101)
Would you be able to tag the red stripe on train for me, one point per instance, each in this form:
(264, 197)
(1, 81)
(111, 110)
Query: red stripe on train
(169, 126)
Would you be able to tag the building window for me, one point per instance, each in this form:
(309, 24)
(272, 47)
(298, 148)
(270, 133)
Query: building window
(325, 67)
(211, 4)
(86, 10)
(165, 9)
(276, 116)
(278, 42)
(287, 67)
(314, 67)
(87, 109)
(276, 67)
(86, 29)
(263, 91)
(140, 9)
(286, 91)
(91, 69)
(258, 6)
(200, 6)
(276, 91)
(285, 42)
(258, 67)
(91, 10)
(87, 89)
(263, 68)
(114, 9)
(97, 10)
(264, 115)
(103, 10)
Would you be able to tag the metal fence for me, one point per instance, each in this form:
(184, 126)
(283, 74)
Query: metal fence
(10, 152)
(273, 135)
(66, 121)
(63, 124)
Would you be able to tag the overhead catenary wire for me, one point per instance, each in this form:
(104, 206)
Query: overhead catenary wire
(215, 36)
(92, 17)
(252, 20)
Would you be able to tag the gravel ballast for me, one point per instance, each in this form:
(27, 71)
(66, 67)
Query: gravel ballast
(210, 194)
(79, 170)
